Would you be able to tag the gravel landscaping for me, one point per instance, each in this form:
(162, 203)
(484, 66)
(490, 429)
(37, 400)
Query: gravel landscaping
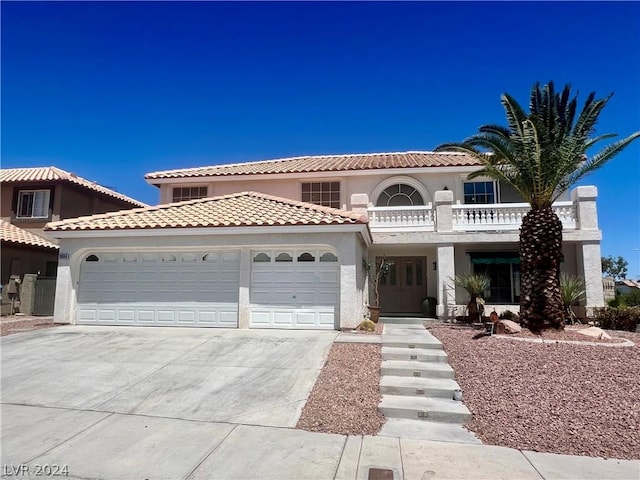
(552, 397)
(23, 323)
(345, 397)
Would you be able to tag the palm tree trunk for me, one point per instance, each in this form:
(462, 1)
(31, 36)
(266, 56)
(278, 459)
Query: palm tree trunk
(540, 257)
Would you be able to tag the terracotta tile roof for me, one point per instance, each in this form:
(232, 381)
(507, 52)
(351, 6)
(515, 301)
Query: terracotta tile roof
(240, 209)
(325, 163)
(13, 234)
(55, 174)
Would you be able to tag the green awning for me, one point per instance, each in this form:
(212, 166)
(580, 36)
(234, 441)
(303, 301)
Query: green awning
(488, 258)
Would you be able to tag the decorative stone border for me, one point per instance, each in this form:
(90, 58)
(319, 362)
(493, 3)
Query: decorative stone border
(624, 343)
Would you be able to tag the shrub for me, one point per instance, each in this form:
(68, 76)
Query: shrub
(631, 299)
(509, 315)
(368, 326)
(621, 318)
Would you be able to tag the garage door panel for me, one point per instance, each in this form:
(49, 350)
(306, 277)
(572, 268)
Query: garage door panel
(305, 318)
(146, 316)
(160, 289)
(283, 318)
(294, 295)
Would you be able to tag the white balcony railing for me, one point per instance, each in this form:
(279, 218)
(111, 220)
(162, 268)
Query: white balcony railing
(505, 216)
(398, 218)
(498, 216)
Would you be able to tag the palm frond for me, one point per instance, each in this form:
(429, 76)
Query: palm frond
(544, 152)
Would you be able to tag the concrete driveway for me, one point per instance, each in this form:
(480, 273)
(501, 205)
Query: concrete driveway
(87, 374)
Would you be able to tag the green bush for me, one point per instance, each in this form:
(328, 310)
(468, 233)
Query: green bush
(621, 318)
(509, 315)
(631, 299)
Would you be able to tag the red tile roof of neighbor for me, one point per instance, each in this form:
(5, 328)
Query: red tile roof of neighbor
(13, 234)
(55, 174)
(237, 210)
(325, 163)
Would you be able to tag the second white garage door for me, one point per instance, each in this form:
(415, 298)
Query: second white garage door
(294, 289)
(179, 288)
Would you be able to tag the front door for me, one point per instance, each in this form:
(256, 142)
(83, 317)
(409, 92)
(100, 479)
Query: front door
(403, 290)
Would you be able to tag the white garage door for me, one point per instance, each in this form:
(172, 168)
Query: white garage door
(162, 289)
(294, 289)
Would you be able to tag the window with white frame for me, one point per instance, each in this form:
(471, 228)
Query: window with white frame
(326, 194)
(399, 195)
(479, 192)
(33, 204)
(181, 194)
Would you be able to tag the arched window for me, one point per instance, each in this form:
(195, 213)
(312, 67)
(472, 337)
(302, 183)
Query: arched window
(262, 258)
(328, 257)
(306, 257)
(399, 195)
(92, 258)
(284, 257)
(168, 258)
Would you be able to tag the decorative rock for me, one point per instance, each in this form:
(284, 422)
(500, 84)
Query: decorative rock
(595, 332)
(510, 326)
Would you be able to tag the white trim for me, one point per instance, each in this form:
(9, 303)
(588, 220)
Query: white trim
(34, 191)
(400, 179)
(253, 230)
(314, 175)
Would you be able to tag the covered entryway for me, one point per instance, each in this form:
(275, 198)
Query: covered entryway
(173, 288)
(294, 289)
(404, 288)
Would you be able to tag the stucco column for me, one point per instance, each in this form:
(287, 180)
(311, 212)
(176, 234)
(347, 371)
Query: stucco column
(64, 309)
(592, 274)
(584, 199)
(443, 200)
(350, 295)
(244, 299)
(359, 203)
(446, 288)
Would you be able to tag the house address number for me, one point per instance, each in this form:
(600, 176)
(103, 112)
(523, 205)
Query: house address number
(64, 256)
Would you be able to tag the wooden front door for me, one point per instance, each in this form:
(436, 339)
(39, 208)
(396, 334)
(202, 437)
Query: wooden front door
(403, 290)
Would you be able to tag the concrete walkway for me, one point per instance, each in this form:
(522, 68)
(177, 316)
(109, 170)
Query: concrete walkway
(111, 446)
(417, 386)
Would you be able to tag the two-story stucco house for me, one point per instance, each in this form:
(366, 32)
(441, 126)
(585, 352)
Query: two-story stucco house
(285, 243)
(32, 196)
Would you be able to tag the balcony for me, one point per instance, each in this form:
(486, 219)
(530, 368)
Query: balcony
(403, 218)
(506, 217)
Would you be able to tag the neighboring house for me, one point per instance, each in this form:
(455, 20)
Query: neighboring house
(627, 286)
(31, 197)
(294, 255)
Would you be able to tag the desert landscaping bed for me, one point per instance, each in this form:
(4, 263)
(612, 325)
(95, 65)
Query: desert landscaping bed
(345, 397)
(24, 323)
(549, 397)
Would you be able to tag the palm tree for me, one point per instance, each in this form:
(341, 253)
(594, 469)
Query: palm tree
(541, 154)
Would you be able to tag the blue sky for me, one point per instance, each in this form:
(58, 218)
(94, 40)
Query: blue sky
(112, 91)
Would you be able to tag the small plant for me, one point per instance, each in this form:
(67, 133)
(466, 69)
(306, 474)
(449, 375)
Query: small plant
(475, 284)
(571, 290)
(367, 325)
(380, 271)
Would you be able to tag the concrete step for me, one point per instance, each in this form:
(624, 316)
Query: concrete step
(418, 387)
(426, 430)
(403, 320)
(399, 368)
(411, 341)
(417, 408)
(417, 354)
